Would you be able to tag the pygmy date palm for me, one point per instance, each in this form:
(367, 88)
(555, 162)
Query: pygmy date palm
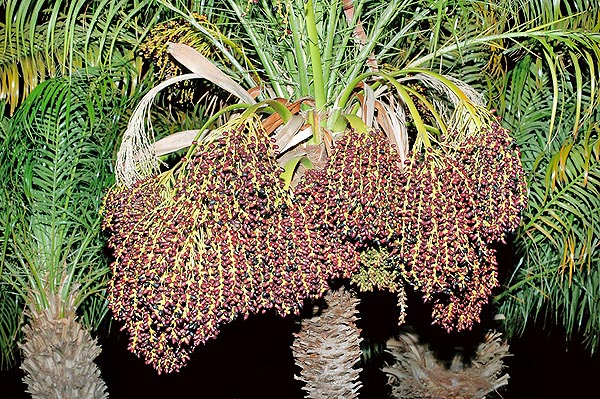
(57, 157)
(317, 80)
(536, 62)
(56, 161)
(319, 163)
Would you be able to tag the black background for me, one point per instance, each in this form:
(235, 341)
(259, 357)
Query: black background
(253, 359)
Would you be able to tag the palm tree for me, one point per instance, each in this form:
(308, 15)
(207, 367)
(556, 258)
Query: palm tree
(56, 157)
(536, 63)
(292, 68)
(65, 114)
(56, 153)
(547, 97)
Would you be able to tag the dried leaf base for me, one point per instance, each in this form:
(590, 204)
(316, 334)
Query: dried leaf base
(416, 373)
(328, 347)
(59, 356)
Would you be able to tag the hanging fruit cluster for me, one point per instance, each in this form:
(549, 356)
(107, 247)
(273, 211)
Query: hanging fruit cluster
(358, 194)
(357, 200)
(499, 188)
(460, 196)
(429, 219)
(220, 236)
(155, 46)
(215, 238)
(379, 270)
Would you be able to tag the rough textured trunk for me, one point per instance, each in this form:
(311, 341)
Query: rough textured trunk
(416, 373)
(328, 347)
(59, 355)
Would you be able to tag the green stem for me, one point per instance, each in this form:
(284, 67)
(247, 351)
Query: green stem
(404, 95)
(315, 57)
(212, 119)
(339, 63)
(381, 25)
(430, 107)
(329, 41)
(508, 290)
(345, 96)
(258, 46)
(414, 112)
(299, 55)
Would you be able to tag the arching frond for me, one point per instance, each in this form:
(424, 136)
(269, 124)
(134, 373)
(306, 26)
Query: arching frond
(39, 40)
(492, 37)
(11, 310)
(537, 62)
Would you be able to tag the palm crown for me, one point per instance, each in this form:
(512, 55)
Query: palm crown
(439, 130)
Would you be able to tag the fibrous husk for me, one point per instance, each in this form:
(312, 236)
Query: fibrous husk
(417, 373)
(327, 348)
(59, 355)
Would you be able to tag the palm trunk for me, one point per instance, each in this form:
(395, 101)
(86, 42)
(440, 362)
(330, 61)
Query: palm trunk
(59, 355)
(328, 347)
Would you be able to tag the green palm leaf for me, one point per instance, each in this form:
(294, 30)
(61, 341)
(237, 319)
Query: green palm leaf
(11, 311)
(10, 305)
(537, 62)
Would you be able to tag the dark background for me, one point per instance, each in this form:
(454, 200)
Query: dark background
(252, 359)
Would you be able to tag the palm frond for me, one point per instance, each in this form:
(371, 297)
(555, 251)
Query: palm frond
(582, 14)
(11, 307)
(331, 58)
(56, 157)
(557, 277)
(40, 41)
(11, 310)
(492, 37)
